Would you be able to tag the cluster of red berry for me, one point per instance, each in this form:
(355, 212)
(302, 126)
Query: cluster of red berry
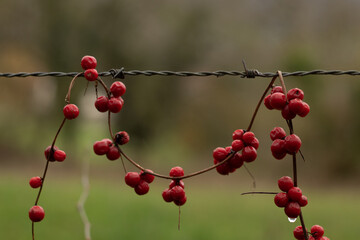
(290, 105)
(243, 141)
(283, 144)
(106, 146)
(88, 63)
(139, 181)
(175, 193)
(316, 233)
(115, 103)
(291, 198)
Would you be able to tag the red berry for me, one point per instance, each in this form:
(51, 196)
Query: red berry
(292, 209)
(292, 143)
(220, 153)
(303, 201)
(255, 143)
(166, 194)
(50, 156)
(267, 102)
(132, 179)
(35, 182)
(176, 172)
(296, 106)
(118, 89)
(113, 153)
(305, 111)
(101, 104)
(294, 194)
(237, 134)
(277, 89)
(277, 133)
(237, 145)
(285, 183)
(91, 74)
(115, 105)
(281, 199)
(223, 169)
(102, 147)
(236, 161)
(299, 233)
(174, 183)
(248, 137)
(317, 231)
(249, 154)
(287, 114)
(71, 111)
(142, 188)
(59, 155)
(122, 138)
(181, 201)
(36, 213)
(88, 62)
(149, 178)
(278, 149)
(278, 100)
(177, 193)
(295, 93)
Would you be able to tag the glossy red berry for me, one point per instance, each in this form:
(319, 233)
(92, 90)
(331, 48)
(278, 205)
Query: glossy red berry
(249, 154)
(102, 147)
(295, 93)
(174, 183)
(296, 106)
(71, 111)
(294, 194)
(281, 199)
(181, 201)
(132, 179)
(220, 153)
(142, 188)
(237, 134)
(277, 133)
(166, 194)
(177, 193)
(149, 178)
(248, 137)
(303, 201)
(277, 89)
(236, 161)
(306, 110)
(88, 62)
(292, 143)
(278, 100)
(118, 89)
(255, 143)
(36, 213)
(101, 104)
(176, 172)
(267, 102)
(35, 182)
(122, 138)
(91, 74)
(59, 155)
(287, 114)
(223, 169)
(299, 233)
(285, 183)
(115, 105)
(292, 209)
(278, 149)
(113, 153)
(50, 155)
(317, 231)
(237, 145)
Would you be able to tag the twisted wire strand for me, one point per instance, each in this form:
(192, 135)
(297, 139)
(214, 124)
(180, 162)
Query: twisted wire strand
(120, 73)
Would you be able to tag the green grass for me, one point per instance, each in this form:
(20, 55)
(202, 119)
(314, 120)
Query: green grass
(212, 212)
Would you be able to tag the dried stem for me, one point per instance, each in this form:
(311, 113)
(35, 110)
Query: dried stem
(246, 193)
(68, 95)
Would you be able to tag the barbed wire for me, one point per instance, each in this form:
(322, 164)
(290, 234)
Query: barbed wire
(121, 73)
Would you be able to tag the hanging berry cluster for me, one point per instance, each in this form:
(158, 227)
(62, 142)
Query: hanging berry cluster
(243, 149)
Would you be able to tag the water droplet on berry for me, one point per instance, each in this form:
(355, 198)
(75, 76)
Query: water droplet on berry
(292, 220)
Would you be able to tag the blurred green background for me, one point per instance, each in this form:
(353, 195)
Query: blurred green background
(178, 121)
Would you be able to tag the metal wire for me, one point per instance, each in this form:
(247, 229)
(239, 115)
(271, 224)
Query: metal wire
(120, 73)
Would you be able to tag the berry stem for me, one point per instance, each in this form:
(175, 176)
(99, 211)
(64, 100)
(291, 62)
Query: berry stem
(67, 97)
(246, 193)
(303, 226)
(260, 102)
(250, 174)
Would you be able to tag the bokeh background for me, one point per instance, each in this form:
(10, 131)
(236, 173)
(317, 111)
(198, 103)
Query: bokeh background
(178, 121)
